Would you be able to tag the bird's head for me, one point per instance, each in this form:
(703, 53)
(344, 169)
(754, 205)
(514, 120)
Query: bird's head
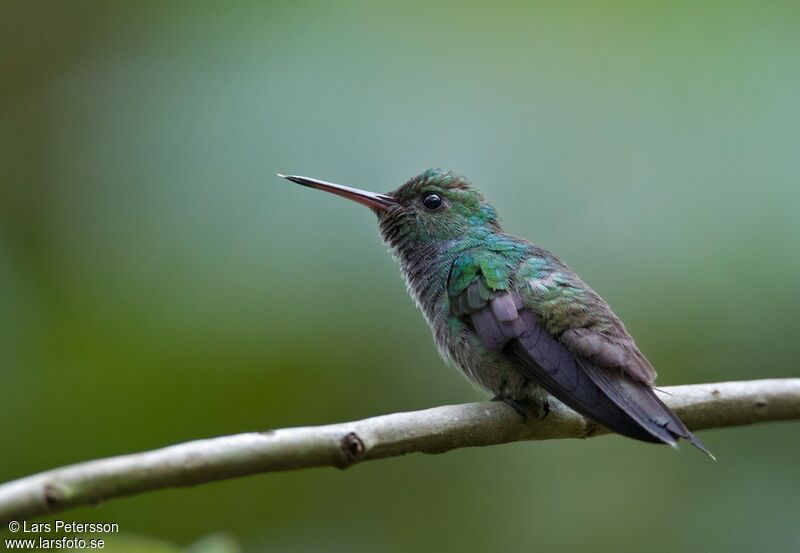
(434, 206)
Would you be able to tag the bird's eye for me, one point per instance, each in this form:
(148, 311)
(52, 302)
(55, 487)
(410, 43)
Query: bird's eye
(432, 202)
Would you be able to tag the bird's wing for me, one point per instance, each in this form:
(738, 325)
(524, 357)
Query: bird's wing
(601, 375)
(580, 318)
(564, 308)
(479, 290)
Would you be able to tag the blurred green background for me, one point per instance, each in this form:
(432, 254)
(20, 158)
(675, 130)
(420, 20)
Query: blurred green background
(158, 283)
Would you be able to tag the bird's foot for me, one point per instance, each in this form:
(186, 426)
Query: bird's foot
(515, 405)
(540, 408)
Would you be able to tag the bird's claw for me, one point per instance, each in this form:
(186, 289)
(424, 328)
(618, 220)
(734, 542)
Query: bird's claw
(525, 406)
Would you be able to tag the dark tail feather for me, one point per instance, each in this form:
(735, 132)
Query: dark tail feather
(617, 402)
(641, 402)
(584, 396)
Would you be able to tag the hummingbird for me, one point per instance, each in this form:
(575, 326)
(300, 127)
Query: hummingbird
(513, 317)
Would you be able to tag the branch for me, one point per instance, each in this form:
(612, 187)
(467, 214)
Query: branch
(433, 430)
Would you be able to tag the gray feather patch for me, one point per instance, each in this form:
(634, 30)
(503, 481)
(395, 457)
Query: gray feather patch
(474, 297)
(488, 329)
(610, 352)
(503, 308)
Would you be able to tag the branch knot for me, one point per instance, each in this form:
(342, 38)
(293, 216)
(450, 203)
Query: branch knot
(352, 448)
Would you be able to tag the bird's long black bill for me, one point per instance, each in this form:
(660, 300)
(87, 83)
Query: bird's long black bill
(378, 202)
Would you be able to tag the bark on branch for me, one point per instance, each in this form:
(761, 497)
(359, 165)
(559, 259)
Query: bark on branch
(433, 430)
